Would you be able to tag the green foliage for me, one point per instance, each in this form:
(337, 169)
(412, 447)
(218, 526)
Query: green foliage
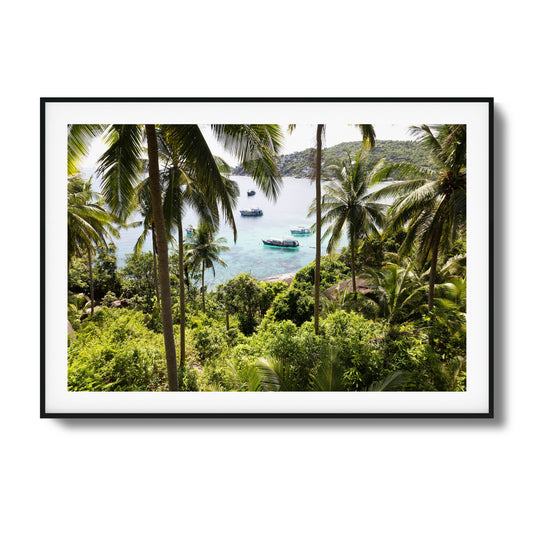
(109, 298)
(293, 304)
(242, 295)
(138, 280)
(406, 348)
(268, 292)
(332, 271)
(447, 332)
(114, 351)
(209, 336)
(78, 275)
(289, 351)
(105, 273)
(187, 379)
(300, 163)
(358, 345)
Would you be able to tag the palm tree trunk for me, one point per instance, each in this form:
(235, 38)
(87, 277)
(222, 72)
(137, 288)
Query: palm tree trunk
(352, 260)
(162, 248)
(182, 293)
(156, 282)
(318, 164)
(433, 270)
(203, 288)
(91, 282)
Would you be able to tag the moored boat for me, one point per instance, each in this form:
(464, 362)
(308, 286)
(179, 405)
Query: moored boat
(253, 212)
(190, 229)
(287, 242)
(300, 230)
(250, 192)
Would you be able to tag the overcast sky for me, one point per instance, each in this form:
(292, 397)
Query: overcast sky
(302, 137)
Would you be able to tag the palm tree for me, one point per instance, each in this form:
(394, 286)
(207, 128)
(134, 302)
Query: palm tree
(397, 291)
(203, 249)
(431, 202)
(346, 206)
(183, 189)
(369, 139)
(89, 223)
(256, 146)
(144, 207)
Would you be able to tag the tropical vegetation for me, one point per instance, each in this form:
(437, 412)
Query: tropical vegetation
(387, 312)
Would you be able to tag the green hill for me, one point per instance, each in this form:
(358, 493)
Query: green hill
(300, 163)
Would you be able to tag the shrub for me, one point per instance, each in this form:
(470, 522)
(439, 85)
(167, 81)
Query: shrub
(331, 272)
(294, 304)
(115, 351)
(357, 342)
(209, 337)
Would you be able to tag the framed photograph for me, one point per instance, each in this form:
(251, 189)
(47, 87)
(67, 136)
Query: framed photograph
(266, 257)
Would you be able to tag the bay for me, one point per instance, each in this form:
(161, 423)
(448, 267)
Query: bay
(248, 254)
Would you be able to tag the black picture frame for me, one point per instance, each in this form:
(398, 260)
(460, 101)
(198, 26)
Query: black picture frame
(487, 411)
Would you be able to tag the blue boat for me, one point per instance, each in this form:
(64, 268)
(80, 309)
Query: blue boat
(287, 242)
(253, 212)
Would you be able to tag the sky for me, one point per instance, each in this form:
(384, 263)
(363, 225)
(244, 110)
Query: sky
(302, 137)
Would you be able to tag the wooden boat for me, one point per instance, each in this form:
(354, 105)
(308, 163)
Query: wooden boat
(253, 212)
(287, 242)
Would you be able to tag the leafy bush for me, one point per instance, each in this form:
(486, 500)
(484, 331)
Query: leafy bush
(294, 304)
(241, 295)
(209, 336)
(331, 272)
(114, 351)
(357, 342)
(408, 349)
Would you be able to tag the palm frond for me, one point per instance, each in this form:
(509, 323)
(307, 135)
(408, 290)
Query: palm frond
(120, 167)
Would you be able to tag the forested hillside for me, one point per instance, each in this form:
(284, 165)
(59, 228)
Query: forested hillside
(300, 163)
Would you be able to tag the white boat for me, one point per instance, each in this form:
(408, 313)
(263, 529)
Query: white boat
(189, 230)
(301, 230)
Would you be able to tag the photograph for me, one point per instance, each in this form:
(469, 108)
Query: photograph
(266, 246)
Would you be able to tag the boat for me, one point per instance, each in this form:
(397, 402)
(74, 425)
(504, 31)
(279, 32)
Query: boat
(250, 192)
(301, 230)
(287, 242)
(190, 229)
(253, 212)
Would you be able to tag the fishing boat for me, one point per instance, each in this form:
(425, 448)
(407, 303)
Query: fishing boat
(287, 242)
(253, 212)
(300, 230)
(250, 192)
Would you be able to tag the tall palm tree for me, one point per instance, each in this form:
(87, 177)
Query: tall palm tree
(432, 203)
(203, 249)
(89, 223)
(369, 139)
(144, 207)
(346, 206)
(182, 190)
(256, 147)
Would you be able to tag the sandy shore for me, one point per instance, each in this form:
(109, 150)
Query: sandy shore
(286, 278)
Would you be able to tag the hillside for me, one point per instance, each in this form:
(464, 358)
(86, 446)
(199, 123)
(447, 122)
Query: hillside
(300, 163)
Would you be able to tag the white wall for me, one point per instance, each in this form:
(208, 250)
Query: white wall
(412, 476)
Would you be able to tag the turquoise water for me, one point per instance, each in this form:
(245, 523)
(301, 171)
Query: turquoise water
(249, 254)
